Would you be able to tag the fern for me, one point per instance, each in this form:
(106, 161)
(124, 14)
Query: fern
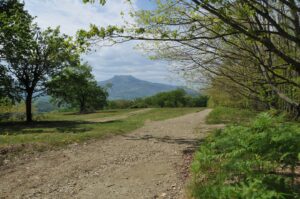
(244, 161)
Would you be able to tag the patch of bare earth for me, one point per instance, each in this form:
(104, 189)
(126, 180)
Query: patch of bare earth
(151, 162)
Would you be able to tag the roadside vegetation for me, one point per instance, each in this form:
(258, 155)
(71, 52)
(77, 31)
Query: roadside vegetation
(258, 160)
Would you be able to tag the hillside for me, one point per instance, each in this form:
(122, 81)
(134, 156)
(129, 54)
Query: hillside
(129, 87)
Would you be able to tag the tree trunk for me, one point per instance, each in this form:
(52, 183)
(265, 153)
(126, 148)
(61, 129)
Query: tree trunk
(29, 107)
(82, 107)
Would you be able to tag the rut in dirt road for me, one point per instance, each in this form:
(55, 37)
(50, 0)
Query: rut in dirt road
(143, 164)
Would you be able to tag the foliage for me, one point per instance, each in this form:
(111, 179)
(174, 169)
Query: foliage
(197, 101)
(257, 161)
(31, 56)
(102, 2)
(227, 115)
(8, 86)
(14, 20)
(174, 98)
(77, 87)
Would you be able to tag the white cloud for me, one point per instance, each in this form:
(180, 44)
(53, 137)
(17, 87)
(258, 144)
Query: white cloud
(72, 15)
(121, 59)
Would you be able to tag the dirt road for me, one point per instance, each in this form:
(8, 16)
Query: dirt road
(147, 163)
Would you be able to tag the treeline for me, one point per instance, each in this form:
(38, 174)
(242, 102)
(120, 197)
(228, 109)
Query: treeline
(176, 98)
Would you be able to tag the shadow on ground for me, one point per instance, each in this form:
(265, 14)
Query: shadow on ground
(13, 128)
(89, 113)
(192, 144)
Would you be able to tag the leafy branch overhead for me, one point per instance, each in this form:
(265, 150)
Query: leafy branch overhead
(102, 2)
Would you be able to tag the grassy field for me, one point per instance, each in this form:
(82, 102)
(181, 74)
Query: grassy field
(56, 129)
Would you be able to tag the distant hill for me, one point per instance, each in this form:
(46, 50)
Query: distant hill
(129, 87)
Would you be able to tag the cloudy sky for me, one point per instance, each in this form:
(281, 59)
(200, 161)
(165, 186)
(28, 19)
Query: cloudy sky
(121, 59)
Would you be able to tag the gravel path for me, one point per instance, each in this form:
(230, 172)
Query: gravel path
(147, 163)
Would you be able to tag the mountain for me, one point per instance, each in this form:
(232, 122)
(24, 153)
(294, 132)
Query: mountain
(129, 87)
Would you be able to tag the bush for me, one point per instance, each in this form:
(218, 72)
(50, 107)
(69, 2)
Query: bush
(258, 161)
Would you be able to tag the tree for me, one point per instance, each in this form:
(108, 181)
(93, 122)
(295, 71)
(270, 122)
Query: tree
(77, 87)
(31, 56)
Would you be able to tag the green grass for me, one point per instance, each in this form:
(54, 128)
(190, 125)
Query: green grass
(58, 129)
(226, 115)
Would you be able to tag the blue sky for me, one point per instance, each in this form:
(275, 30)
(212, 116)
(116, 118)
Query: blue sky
(121, 59)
